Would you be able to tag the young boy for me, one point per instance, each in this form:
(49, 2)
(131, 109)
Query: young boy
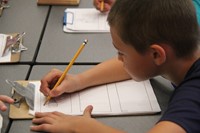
(153, 37)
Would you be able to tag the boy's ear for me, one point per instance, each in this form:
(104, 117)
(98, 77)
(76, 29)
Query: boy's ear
(158, 54)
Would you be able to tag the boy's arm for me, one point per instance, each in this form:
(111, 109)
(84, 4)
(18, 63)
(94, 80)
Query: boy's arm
(167, 127)
(105, 72)
(55, 122)
(93, 126)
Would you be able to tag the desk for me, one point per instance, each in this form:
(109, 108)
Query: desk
(14, 72)
(37, 73)
(138, 124)
(65, 45)
(24, 16)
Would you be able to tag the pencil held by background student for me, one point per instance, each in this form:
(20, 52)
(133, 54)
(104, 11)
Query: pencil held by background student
(103, 5)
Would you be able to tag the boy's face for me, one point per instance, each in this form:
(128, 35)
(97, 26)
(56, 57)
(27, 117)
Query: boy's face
(140, 67)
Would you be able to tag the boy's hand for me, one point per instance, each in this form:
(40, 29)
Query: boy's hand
(56, 122)
(68, 85)
(107, 5)
(6, 99)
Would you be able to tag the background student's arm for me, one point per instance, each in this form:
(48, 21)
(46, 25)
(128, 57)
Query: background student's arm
(105, 72)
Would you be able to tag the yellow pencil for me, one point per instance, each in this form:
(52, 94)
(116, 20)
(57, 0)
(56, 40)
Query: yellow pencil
(67, 68)
(102, 5)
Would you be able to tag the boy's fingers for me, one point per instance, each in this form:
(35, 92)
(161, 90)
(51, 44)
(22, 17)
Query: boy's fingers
(88, 111)
(57, 91)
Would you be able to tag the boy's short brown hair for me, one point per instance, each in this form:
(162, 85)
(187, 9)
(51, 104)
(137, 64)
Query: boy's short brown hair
(141, 23)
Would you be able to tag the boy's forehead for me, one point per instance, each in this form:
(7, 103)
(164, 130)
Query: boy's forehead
(114, 34)
(116, 40)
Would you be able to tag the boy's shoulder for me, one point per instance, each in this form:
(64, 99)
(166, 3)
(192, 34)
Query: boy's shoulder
(185, 99)
(194, 71)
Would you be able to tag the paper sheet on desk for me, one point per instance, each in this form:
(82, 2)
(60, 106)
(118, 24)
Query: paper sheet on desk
(3, 40)
(4, 57)
(85, 20)
(121, 98)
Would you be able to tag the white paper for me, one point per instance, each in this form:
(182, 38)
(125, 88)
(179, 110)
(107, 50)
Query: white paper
(85, 20)
(3, 39)
(121, 98)
(6, 57)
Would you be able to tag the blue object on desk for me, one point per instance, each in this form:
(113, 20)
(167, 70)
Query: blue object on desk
(68, 18)
(65, 18)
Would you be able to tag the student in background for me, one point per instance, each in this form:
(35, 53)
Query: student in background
(108, 4)
(6, 99)
(164, 41)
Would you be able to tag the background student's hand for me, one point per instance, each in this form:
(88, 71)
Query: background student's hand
(107, 4)
(68, 85)
(56, 122)
(5, 99)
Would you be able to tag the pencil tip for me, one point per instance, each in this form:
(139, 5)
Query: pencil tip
(44, 103)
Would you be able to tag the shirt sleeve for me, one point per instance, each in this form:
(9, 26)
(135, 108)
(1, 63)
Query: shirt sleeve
(197, 6)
